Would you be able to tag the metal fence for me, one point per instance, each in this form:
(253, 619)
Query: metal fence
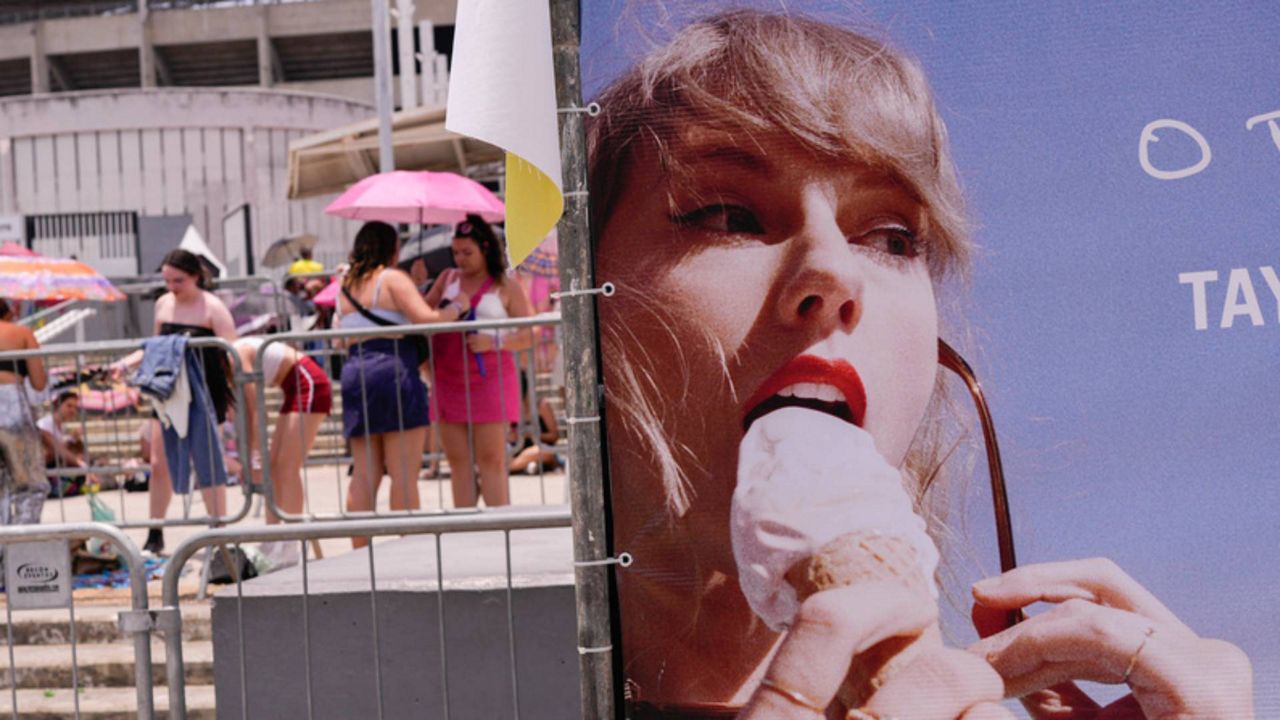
(38, 577)
(460, 455)
(113, 425)
(475, 621)
(293, 668)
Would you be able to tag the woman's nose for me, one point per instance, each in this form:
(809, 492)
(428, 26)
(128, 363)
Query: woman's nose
(823, 289)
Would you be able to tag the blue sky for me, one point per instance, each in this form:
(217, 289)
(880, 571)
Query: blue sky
(1126, 431)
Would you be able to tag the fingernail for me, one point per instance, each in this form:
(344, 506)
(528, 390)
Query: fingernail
(984, 586)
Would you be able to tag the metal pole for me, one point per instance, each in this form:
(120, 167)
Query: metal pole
(586, 446)
(382, 81)
(408, 72)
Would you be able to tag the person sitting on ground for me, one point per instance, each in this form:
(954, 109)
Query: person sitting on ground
(539, 456)
(63, 445)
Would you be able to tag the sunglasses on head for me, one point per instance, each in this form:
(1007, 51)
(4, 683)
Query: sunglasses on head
(467, 229)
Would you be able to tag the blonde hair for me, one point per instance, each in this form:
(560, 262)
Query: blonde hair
(835, 93)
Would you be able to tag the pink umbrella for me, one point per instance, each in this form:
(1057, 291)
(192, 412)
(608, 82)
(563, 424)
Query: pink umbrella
(328, 297)
(13, 249)
(424, 197)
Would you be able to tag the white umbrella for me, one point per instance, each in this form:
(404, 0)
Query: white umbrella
(287, 249)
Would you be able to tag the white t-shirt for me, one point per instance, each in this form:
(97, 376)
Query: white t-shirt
(47, 424)
(271, 360)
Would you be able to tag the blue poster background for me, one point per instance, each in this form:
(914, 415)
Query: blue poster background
(1127, 432)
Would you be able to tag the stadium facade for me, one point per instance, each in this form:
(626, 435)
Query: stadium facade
(115, 110)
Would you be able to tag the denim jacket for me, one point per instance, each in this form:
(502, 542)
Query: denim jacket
(162, 359)
(161, 376)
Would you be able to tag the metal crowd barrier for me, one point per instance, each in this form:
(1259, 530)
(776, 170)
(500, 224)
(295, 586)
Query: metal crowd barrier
(111, 440)
(112, 443)
(327, 347)
(39, 579)
(169, 618)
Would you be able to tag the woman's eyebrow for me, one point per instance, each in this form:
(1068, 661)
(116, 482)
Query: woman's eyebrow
(733, 155)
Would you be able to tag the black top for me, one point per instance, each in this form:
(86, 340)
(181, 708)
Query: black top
(17, 367)
(217, 369)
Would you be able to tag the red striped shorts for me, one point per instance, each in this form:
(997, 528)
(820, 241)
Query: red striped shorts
(306, 389)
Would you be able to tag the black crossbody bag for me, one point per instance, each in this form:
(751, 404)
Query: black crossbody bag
(417, 342)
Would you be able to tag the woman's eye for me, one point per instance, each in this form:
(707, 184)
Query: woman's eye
(721, 218)
(894, 240)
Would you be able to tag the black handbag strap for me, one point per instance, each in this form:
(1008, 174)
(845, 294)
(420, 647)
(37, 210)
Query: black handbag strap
(376, 320)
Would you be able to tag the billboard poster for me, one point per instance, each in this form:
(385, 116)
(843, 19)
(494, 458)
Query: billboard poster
(796, 201)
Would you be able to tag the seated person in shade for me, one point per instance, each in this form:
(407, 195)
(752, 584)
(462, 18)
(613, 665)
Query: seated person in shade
(63, 446)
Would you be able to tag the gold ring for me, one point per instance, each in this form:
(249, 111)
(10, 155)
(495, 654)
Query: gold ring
(1133, 659)
(793, 697)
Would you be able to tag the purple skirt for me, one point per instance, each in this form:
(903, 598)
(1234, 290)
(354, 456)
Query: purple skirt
(380, 378)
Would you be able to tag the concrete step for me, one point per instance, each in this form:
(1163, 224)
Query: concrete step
(98, 665)
(110, 703)
(94, 624)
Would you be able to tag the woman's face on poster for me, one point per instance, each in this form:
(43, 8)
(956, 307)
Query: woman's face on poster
(752, 254)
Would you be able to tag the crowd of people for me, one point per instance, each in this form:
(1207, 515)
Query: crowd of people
(403, 396)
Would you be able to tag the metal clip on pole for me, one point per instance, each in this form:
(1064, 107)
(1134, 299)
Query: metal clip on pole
(624, 560)
(592, 109)
(608, 289)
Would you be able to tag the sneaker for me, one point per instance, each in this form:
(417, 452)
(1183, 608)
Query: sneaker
(278, 554)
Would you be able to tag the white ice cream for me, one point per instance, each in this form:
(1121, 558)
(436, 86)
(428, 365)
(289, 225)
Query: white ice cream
(806, 478)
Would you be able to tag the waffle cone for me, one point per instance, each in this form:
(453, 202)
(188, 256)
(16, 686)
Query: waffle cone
(867, 557)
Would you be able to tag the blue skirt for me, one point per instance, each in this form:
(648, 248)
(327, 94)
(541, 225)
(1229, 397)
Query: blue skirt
(381, 376)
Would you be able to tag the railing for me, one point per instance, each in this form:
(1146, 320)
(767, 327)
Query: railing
(325, 345)
(113, 443)
(169, 617)
(538, 535)
(135, 622)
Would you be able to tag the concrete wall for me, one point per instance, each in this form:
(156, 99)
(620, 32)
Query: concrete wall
(168, 152)
(339, 614)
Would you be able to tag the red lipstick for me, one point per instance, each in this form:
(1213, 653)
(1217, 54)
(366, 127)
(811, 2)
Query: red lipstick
(810, 369)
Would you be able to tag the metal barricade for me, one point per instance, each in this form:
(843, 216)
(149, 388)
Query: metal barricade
(111, 439)
(365, 465)
(38, 561)
(271, 666)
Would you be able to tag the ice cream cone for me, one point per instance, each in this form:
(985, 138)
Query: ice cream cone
(860, 557)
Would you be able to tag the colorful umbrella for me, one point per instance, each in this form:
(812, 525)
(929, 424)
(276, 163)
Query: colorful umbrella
(13, 249)
(544, 261)
(39, 278)
(424, 197)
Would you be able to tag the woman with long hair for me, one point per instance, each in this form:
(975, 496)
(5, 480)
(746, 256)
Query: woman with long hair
(188, 307)
(775, 201)
(23, 484)
(307, 401)
(384, 402)
(477, 386)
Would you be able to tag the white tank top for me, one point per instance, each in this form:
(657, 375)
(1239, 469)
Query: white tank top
(490, 306)
(273, 358)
